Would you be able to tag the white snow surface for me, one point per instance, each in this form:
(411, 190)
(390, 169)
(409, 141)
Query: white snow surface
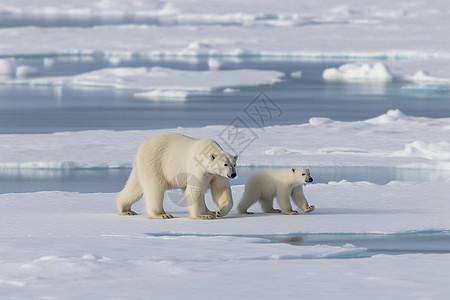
(389, 140)
(413, 31)
(53, 243)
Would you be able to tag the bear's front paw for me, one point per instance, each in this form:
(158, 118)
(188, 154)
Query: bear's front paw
(217, 214)
(310, 208)
(128, 213)
(292, 212)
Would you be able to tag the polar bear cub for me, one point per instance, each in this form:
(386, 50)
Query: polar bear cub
(174, 161)
(265, 185)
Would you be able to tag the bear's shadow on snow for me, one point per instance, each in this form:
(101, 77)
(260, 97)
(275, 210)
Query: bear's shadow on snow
(359, 211)
(319, 211)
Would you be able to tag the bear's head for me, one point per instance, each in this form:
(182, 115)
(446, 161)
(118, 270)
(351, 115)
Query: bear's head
(301, 175)
(216, 161)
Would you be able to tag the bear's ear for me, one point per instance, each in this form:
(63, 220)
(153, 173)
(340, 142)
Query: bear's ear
(293, 170)
(213, 156)
(235, 157)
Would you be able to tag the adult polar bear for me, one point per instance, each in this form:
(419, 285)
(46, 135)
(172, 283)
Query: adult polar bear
(265, 185)
(174, 161)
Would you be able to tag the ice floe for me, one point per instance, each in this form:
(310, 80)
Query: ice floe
(7, 66)
(11, 67)
(162, 82)
(434, 151)
(379, 72)
(296, 74)
(389, 140)
(53, 241)
(403, 31)
(26, 71)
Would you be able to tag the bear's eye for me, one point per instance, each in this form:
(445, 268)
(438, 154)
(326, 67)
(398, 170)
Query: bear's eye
(213, 156)
(303, 174)
(225, 165)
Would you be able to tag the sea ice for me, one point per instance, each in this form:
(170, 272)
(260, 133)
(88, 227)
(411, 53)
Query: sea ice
(7, 66)
(163, 95)
(162, 82)
(359, 72)
(425, 83)
(380, 142)
(11, 67)
(296, 74)
(425, 77)
(26, 71)
(214, 64)
(401, 31)
(54, 241)
(434, 151)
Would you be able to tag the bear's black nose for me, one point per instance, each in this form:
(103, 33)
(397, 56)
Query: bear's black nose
(310, 179)
(233, 175)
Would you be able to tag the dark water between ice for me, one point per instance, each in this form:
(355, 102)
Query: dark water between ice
(111, 181)
(403, 243)
(423, 242)
(32, 109)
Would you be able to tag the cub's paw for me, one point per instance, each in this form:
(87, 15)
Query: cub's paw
(292, 212)
(310, 208)
(166, 216)
(128, 213)
(274, 211)
(204, 217)
(162, 216)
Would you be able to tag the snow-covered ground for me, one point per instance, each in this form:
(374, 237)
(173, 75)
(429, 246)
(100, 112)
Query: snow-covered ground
(55, 242)
(57, 245)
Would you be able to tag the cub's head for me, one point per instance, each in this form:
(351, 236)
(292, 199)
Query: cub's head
(217, 161)
(301, 175)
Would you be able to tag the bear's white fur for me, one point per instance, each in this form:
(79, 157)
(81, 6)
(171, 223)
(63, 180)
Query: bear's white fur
(174, 161)
(265, 185)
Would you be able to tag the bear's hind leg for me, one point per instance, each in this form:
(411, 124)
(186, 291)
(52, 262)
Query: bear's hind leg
(267, 205)
(130, 194)
(248, 199)
(154, 198)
